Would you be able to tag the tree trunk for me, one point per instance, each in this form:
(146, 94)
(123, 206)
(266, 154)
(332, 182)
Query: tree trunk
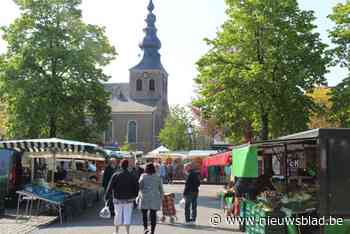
(248, 133)
(264, 134)
(52, 127)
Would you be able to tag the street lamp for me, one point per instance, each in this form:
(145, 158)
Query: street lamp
(190, 134)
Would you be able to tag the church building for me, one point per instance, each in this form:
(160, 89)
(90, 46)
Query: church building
(140, 107)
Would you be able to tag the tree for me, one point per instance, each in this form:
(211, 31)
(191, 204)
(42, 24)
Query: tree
(340, 36)
(52, 71)
(3, 120)
(126, 146)
(174, 135)
(321, 117)
(264, 59)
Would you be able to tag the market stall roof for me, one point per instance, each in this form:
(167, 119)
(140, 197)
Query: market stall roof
(175, 154)
(201, 153)
(220, 159)
(159, 150)
(69, 157)
(314, 133)
(48, 145)
(117, 154)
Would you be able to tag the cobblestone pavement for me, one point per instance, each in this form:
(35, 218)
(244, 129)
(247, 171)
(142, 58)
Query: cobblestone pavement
(9, 225)
(90, 223)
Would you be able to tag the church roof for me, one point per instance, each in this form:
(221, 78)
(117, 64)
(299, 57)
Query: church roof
(121, 101)
(150, 44)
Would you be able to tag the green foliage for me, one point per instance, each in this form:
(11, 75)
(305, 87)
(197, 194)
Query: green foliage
(320, 117)
(262, 62)
(340, 35)
(51, 74)
(175, 134)
(126, 146)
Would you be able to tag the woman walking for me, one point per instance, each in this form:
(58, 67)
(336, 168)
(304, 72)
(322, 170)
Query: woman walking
(123, 188)
(151, 195)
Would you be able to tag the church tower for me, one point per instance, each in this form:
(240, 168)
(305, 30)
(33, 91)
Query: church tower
(149, 80)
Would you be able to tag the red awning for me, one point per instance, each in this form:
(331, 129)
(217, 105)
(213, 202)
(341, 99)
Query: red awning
(221, 159)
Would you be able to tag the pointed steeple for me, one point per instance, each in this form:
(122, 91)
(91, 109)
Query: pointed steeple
(150, 43)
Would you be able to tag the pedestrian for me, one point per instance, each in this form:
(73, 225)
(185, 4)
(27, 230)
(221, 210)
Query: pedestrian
(170, 173)
(163, 172)
(151, 195)
(107, 175)
(124, 188)
(191, 194)
(138, 170)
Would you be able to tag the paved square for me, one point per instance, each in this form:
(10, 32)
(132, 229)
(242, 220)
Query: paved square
(90, 223)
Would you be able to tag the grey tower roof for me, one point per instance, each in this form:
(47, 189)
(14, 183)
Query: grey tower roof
(121, 102)
(150, 44)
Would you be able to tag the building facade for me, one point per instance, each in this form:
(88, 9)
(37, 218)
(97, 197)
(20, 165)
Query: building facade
(140, 107)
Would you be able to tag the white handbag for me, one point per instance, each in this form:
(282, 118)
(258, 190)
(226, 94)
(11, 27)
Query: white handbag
(138, 202)
(105, 213)
(182, 203)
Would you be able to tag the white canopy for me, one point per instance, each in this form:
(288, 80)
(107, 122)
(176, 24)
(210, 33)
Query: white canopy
(172, 155)
(161, 149)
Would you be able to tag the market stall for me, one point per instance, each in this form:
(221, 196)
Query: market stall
(68, 193)
(217, 168)
(198, 156)
(310, 177)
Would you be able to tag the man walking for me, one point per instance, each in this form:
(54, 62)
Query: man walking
(170, 172)
(123, 188)
(191, 194)
(163, 172)
(107, 175)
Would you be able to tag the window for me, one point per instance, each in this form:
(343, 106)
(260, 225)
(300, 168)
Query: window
(152, 85)
(132, 131)
(139, 85)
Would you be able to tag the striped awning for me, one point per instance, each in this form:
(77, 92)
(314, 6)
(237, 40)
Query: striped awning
(48, 145)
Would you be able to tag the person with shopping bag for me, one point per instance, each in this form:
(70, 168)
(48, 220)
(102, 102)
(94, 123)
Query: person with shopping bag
(123, 188)
(151, 195)
(190, 194)
(107, 175)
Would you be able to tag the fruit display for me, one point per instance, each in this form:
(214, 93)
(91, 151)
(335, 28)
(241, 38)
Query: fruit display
(296, 197)
(67, 189)
(272, 199)
(299, 201)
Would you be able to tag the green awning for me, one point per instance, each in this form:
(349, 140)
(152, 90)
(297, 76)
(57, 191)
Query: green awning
(245, 162)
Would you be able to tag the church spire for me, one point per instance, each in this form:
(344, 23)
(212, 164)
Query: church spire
(150, 43)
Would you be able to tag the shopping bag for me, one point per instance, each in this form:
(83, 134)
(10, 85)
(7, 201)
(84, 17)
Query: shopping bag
(182, 203)
(105, 213)
(138, 202)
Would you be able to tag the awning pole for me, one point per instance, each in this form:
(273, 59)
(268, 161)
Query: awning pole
(54, 168)
(32, 165)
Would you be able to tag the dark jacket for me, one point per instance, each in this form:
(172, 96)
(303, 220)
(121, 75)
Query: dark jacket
(107, 175)
(245, 187)
(137, 172)
(192, 183)
(123, 186)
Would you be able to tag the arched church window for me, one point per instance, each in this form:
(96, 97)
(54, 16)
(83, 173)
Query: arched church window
(152, 85)
(139, 85)
(132, 131)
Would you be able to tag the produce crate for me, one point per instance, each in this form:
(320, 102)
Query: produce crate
(338, 229)
(251, 210)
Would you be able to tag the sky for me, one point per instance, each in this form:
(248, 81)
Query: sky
(182, 26)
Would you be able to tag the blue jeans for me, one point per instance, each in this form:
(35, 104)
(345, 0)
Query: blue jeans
(191, 207)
